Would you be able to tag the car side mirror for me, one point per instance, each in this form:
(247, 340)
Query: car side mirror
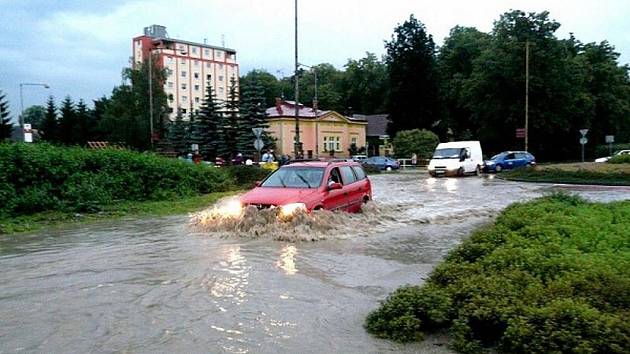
(462, 158)
(334, 185)
(258, 183)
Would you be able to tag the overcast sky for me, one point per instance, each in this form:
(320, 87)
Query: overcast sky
(80, 47)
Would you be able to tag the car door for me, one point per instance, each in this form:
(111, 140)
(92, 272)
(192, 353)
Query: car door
(334, 199)
(509, 161)
(352, 189)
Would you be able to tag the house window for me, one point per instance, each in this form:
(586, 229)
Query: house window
(219, 53)
(196, 99)
(208, 77)
(196, 75)
(206, 51)
(196, 62)
(354, 141)
(221, 90)
(197, 89)
(208, 65)
(220, 66)
(220, 77)
(183, 86)
(184, 98)
(183, 73)
(183, 61)
(183, 110)
(194, 50)
(170, 85)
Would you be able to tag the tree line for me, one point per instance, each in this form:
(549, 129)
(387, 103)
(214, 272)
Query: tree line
(473, 86)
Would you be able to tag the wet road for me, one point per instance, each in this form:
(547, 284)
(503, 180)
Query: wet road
(158, 286)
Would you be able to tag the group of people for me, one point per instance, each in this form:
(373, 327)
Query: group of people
(268, 157)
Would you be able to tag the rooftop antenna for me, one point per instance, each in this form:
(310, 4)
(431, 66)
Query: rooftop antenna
(222, 40)
(205, 41)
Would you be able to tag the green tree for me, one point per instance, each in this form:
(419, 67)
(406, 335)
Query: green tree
(229, 130)
(177, 134)
(82, 130)
(34, 115)
(415, 141)
(205, 125)
(50, 125)
(269, 82)
(253, 115)
(6, 127)
(67, 122)
(97, 129)
(364, 85)
(413, 87)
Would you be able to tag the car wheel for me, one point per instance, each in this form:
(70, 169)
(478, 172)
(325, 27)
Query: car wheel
(498, 168)
(388, 168)
(478, 170)
(460, 172)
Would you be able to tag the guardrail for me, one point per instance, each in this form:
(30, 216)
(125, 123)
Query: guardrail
(408, 163)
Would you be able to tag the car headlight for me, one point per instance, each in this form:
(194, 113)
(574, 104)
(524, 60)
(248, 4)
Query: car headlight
(231, 208)
(489, 163)
(288, 210)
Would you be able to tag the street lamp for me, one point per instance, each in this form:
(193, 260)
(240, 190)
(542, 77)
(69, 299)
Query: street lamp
(22, 98)
(297, 144)
(315, 102)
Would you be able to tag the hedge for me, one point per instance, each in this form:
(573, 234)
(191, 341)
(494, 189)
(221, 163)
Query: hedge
(550, 276)
(41, 177)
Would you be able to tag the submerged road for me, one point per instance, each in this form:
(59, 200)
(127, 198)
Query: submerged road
(155, 285)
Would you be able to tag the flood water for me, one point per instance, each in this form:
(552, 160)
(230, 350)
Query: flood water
(158, 285)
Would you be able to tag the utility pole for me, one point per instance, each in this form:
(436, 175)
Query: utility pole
(296, 146)
(151, 96)
(315, 103)
(527, 95)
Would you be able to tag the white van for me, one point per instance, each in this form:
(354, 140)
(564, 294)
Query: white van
(456, 158)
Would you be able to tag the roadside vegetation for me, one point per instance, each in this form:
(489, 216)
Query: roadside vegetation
(611, 173)
(60, 182)
(549, 276)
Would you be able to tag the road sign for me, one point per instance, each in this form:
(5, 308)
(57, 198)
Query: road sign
(610, 139)
(583, 141)
(258, 144)
(583, 131)
(520, 132)
(257, 132)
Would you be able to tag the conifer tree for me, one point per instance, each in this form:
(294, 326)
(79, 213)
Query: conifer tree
(67, 122)
(6, 127)
(204, 126)
(81, 130)
(178, 134)
(253, 115)
(50, 124)
(229, 129)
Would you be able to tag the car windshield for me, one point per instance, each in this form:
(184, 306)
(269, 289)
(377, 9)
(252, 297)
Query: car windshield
(448, 153)
(295, 177)
(497, 156)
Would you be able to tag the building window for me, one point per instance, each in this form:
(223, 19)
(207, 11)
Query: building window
(206, 51)
(183, 61)
(220, 66)
(221, 90)
(354, 141)
(194, 50)
(197, 89)
(183, 73)
(169, 85)
(170, 59)
(183, 110)
(196, 62)
(208, 65)
(208, 77)
(338, 145)
(184, 98)
(219, 53)
(196, 99)
(220, 77)
(183, 86)
(196, 75)
(332, 143)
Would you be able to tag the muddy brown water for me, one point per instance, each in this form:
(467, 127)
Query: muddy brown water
(157, 285)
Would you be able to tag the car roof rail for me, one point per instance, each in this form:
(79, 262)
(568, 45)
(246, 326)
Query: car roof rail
(340, 160)
(302, 160)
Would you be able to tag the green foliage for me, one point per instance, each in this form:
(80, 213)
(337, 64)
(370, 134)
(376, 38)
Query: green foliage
(604, 150)
(252, 115)
(34, 115)
(620, 159)
(246, 176)
(67, 122)
(416, 141)
(178, 134)
(588, 175)
(40, 177)
(364, 84)
(413, 100)
(6, 127)
(228, 131)
(550, 276)
(50, 123)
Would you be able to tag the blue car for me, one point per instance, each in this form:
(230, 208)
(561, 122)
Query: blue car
(508, 160)
(382, 163)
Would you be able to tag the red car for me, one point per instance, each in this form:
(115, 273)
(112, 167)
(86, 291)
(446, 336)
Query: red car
(312, 185)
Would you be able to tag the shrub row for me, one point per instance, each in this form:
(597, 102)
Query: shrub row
(247, 176)
(620, 159)
(550, 276)
(604, 150)
(580, 176)
(40, 177)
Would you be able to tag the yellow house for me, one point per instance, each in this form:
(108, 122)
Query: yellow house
(321, 132)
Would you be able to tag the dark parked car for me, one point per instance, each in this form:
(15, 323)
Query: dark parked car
(382, 163)
(508, 160)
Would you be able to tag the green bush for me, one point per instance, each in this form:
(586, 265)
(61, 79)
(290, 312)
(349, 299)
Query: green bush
(550, 276)
(556, 175)
(620, 159)
(247, 176)
(415, 141)
(604, 150)
(40, 177)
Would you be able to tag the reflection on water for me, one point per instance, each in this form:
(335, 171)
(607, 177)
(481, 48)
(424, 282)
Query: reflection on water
(156, 285)
(286, 262)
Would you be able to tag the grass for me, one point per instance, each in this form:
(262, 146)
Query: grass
(53, 219)
(573, 173)
(549, 276)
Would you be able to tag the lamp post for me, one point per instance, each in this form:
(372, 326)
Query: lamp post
(22, 97)
(315, 102)
(296, 146)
